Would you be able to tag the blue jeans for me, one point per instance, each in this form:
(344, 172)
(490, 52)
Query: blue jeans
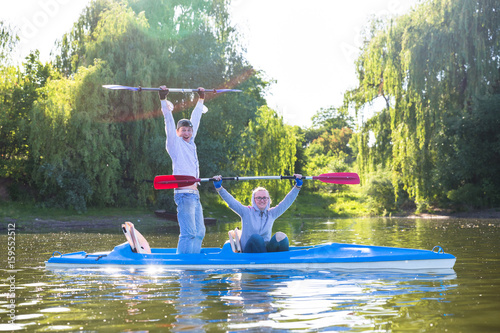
(191, 222)
(256, 244)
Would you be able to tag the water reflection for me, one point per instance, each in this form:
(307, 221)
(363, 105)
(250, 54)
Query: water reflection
(264, 300)
(299, 300)
(240, 300)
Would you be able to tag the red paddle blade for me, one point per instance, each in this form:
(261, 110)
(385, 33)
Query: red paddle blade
(351, 178)
(173, 181)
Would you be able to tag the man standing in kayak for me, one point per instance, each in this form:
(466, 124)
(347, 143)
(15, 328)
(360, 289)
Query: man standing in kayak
(182, 150)
(257, 220)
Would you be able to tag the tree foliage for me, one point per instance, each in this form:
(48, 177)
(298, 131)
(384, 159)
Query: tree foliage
(8, 41)
(268, 148)
(19, 89)
(332, 118)
(433, 67)
(327, 147)
(9, 122)
(85, 145)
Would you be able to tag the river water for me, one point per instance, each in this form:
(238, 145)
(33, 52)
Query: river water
(465, 299)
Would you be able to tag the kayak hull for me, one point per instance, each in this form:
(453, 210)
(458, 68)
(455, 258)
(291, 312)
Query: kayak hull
(336, 256)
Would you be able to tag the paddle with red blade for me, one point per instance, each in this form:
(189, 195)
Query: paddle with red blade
(176, 181)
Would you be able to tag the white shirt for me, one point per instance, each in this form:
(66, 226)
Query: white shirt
(183, 154)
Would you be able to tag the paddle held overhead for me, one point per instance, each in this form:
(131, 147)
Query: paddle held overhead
(175, 181)
(181, 90)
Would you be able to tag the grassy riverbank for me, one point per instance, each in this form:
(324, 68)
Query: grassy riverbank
(29, 216)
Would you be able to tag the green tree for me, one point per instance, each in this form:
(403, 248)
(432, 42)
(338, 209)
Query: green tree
(328, 120)
(327, 145)
(432, 66)
(332, 118)
(268, 147)
(8, 41)
(9, 78)
(20, 89)
(76, 154)
(473, 160)
(335, 142)
(143, 43)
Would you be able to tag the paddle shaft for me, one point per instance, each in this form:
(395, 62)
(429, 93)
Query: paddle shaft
(229, 178)
(177, 90)
(251, 178)
(181, 90)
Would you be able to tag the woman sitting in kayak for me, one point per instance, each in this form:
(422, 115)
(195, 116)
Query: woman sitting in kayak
(258, 219)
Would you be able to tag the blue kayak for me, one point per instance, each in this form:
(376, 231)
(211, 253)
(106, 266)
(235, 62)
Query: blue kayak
(334, 256)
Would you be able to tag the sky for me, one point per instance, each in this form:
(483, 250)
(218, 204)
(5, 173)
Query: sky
(307, 47)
